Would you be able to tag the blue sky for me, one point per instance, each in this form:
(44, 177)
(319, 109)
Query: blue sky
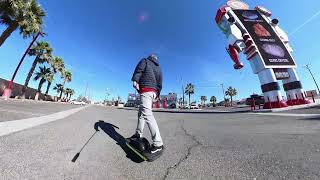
(101, 42)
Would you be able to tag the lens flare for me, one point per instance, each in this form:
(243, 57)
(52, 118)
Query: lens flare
(143, 17)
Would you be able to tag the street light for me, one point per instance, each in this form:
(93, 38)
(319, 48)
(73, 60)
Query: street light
(308, 68)
(182, 92)
(106, 97)
(7, 92)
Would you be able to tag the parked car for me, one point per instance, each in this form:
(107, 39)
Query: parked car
(194, 106)
(78, 103)
(172, 106)
(129, 105)
(184, 107)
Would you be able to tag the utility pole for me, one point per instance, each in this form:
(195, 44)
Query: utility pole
(85, 93)
(308, 68)
(182, 92)
(224, 94)
(107, 95)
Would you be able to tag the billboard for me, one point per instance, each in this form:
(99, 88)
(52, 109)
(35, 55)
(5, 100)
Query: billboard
(270, 46)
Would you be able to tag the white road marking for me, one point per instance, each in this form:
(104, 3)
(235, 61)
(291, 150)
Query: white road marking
(9, 127)
(287, 114)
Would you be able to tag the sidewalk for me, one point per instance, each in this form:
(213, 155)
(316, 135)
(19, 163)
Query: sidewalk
(30, 100)
(305, 106)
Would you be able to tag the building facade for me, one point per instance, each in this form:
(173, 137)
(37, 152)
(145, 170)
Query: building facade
(165, 101)
(133, 100)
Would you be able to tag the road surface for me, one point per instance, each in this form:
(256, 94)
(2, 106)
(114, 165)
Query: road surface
(198, 146)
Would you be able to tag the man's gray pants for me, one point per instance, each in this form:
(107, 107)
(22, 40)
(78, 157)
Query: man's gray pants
(145, 115)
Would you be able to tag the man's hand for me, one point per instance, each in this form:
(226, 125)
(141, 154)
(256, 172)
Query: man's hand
(136, 85)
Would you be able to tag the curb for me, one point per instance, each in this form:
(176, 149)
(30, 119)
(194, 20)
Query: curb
(31, 100)
(305, 106)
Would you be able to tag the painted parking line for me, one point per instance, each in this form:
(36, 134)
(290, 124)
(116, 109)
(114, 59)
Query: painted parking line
(9, 127)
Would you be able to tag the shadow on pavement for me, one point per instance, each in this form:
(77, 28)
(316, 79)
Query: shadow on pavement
(109, 129)
(312, 118)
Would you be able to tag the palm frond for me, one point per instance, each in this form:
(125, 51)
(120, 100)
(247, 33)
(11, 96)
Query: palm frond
(28, 14)
(42, 50)
(67, 76)
(57, 64)
(43, 73)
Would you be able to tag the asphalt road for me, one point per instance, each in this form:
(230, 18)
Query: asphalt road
(21, 109)
(198, 146)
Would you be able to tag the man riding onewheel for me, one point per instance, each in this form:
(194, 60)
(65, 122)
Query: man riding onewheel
(147, 80)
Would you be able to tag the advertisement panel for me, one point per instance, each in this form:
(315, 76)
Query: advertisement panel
(270, 46)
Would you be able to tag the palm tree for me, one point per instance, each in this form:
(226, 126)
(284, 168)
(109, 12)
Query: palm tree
(43, 74)
(68, 93)
(189, 91)
(203, 99)
(49, 80)
(57, 64)
(42, 51)
(58, 88)
(180, 102)
(27, 15)
(231, 92)
(67, 76)
(213, 100)
(71, 93)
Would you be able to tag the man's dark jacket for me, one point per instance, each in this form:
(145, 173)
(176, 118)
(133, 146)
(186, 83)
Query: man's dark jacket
(148, 74)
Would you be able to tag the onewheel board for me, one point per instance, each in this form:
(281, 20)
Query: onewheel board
(136, 152)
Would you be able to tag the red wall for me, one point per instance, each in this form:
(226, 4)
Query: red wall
(16, 90)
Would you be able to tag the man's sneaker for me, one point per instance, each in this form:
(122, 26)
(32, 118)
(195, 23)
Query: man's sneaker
(154, 152)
